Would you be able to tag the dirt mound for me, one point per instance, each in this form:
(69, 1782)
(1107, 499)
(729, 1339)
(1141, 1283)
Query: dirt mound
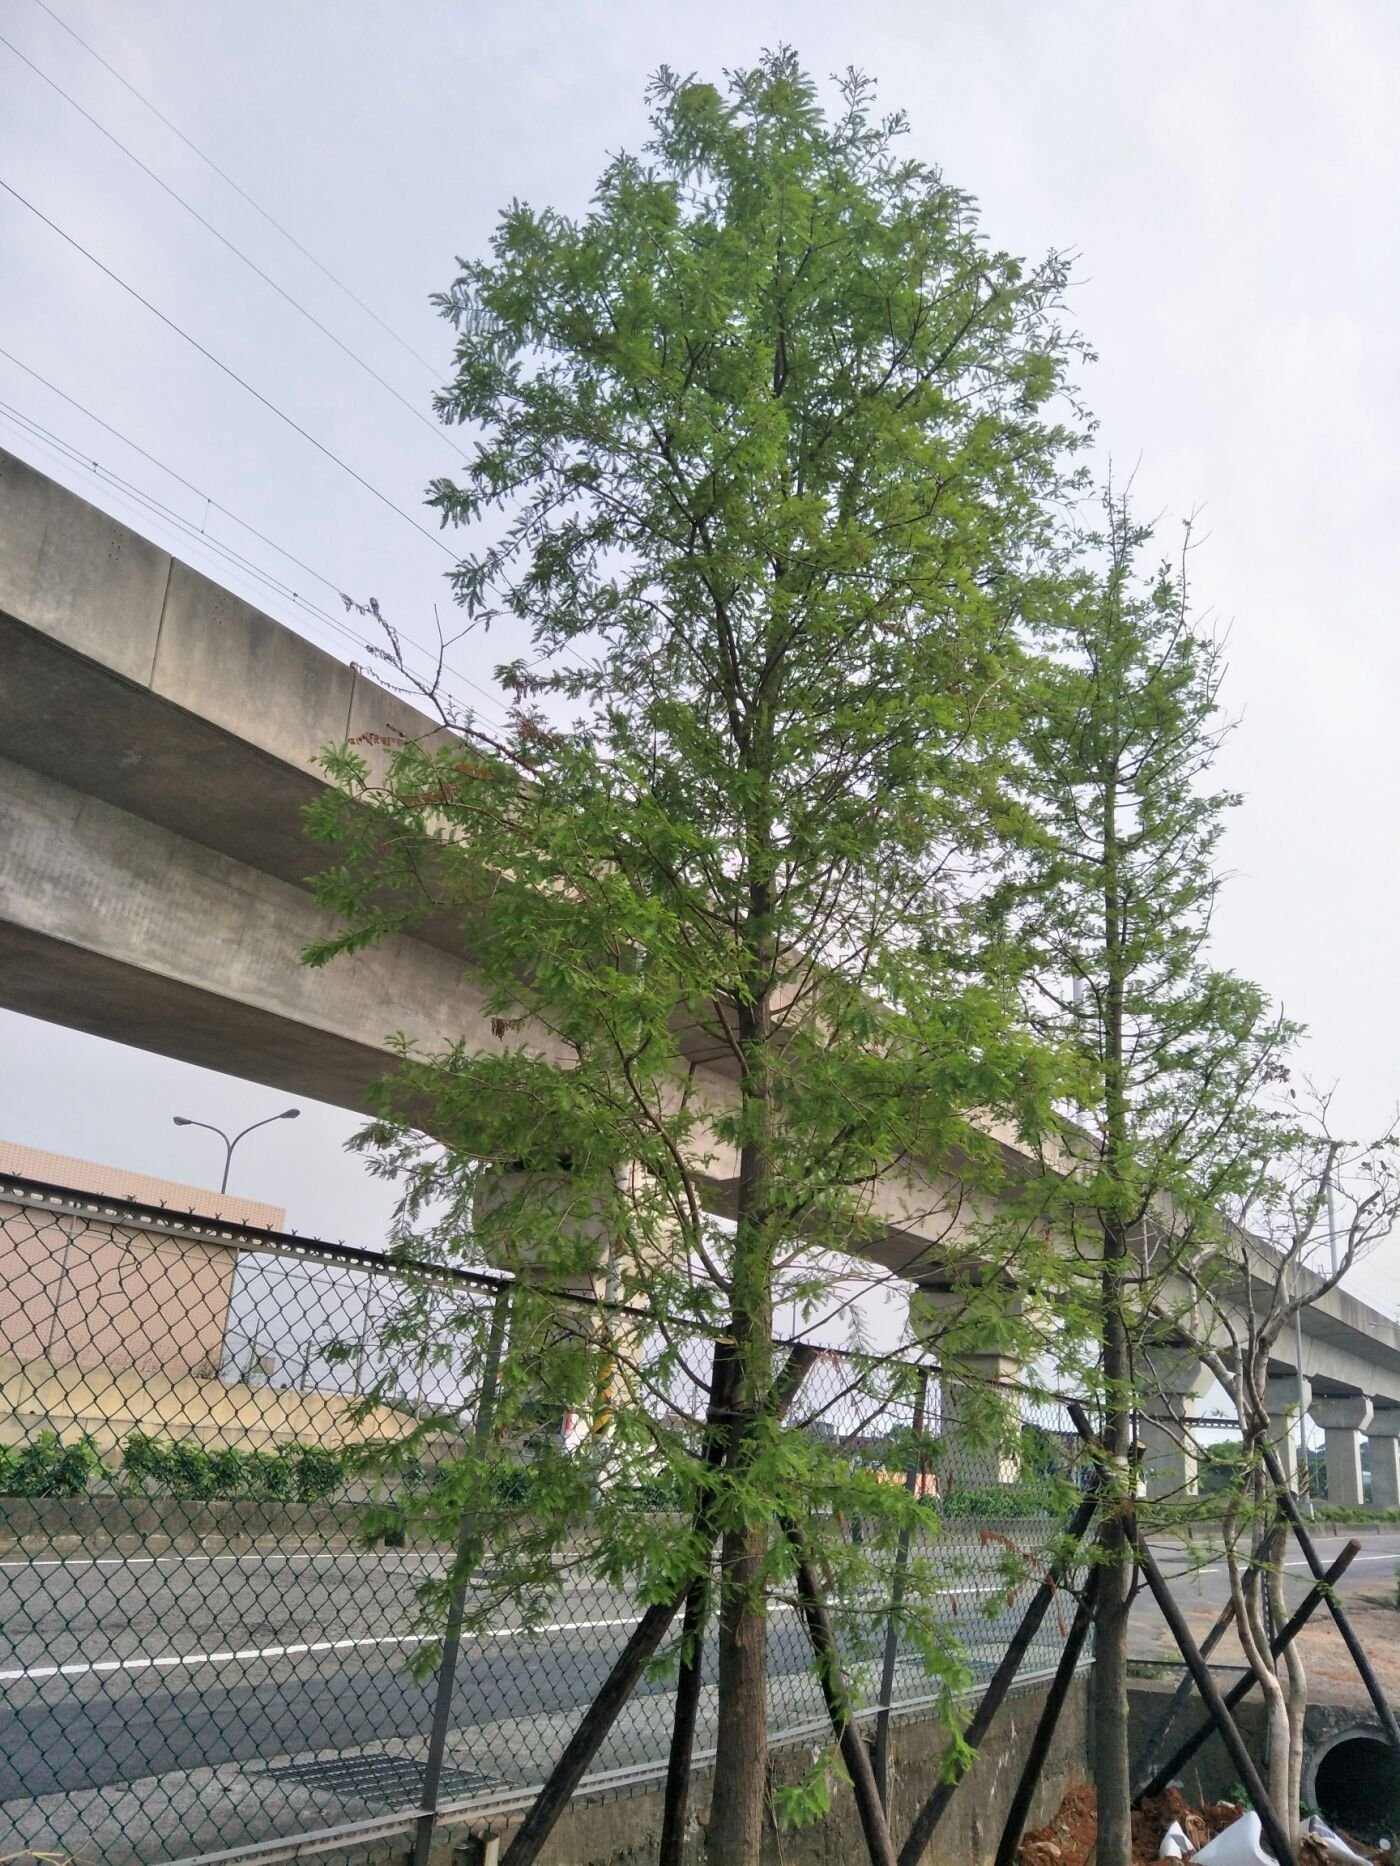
(1069, 1839)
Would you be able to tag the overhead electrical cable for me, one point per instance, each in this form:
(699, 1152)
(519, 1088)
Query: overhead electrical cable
(230, 372)
(220, 548)
(237, 251)
(169, 471)
(340, 285)
(200, 535)
(147, 502)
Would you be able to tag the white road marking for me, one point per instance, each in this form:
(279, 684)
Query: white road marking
(1389, 1556)
(171, 1661)
(1189, 1574)
(174, 1661)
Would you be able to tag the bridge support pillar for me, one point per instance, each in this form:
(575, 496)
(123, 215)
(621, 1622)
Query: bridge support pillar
(1281, 1398)
(980, 1421)
(565, 1233)
(1174, 1379)
(1383, 1436)
(981, 1426)
(1343, 1418)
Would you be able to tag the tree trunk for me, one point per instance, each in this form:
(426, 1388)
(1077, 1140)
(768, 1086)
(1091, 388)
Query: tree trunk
(1109, 1729)
(735, 1833)
(1287, 1792)
(1109, 1733)
(1255, 1644)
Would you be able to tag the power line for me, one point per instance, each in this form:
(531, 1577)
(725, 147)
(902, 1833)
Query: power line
(61, 450)
(179, 478)
(228, 180)
(201, 536)
(237, 251)
(231, 373)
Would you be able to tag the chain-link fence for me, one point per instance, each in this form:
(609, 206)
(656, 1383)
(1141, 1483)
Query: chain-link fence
(211, 1607)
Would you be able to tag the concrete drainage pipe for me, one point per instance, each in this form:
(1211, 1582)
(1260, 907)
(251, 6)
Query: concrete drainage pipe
(1353, 1780)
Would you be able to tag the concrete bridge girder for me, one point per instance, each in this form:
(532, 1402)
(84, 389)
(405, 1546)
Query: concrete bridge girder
(161, 738)
(117, 925)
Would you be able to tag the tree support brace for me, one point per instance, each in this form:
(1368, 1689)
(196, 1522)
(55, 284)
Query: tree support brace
(1275, 1835)
(1288, 1503)
(901, 1565)
(457, 1606)
(649, 1631)
(1049, 1721)
(854, 1754)
(1001, 1681)
(1242, 1687)
(1152, 1747)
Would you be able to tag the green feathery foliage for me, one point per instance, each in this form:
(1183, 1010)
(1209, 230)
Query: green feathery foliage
(765, 450)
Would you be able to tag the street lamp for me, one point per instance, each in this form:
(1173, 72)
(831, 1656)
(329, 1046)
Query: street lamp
(183, 1120)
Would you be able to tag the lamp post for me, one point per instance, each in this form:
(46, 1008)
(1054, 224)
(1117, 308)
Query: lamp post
(181, 1120)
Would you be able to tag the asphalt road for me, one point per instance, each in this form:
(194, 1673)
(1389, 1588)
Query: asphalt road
(1205, 1589)
(115, 1670)
(125, 1681)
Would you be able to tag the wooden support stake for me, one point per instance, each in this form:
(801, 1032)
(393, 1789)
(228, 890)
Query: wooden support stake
(649, 1632)
(901, 1565)
(854, 1754)
(467, 1540)
(1147, 1762)
(683, 1720)
(1242, 1687)
(1275, 1835)
(1049, 1721)
(1001, 1681)
(1288, 1503)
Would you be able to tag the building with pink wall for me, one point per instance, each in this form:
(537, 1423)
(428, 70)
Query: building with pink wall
(82, 1284)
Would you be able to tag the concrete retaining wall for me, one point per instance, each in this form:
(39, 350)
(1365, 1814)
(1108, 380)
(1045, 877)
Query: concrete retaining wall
(1210, 1775)
(626, 1831)
(56, 1526)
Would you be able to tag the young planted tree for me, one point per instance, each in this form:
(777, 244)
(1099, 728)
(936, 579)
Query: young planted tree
(1275, 1262)
(1116, 902)
(763, 448)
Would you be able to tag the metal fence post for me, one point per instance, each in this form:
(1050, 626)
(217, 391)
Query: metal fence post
(901, 1563)
(456, 1613)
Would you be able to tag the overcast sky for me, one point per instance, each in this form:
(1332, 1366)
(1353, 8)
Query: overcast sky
(1228, 177)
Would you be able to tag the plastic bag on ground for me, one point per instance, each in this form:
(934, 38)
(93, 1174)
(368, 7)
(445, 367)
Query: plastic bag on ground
(1176, 1843)
(1332, 1842)
(1239, 1844)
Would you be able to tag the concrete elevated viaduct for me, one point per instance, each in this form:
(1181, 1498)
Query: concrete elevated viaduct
(158, 739)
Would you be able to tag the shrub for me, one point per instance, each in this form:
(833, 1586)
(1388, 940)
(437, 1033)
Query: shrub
(183, 1468)
(1353, 1513)
(664, 1493)
(318, 1473)
(46, 1467)
(980, 1502)
(512, 1484)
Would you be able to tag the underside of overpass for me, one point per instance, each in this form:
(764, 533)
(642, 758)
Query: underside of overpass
(158, 745)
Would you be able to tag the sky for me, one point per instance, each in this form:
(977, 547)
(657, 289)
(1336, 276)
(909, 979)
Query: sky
(1225, 176)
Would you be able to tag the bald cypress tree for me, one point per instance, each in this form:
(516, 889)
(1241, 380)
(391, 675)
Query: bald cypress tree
(763, 448)
(1112, 909)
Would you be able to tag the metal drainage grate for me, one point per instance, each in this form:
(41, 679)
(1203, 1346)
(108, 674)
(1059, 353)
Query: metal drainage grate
(377, 1778)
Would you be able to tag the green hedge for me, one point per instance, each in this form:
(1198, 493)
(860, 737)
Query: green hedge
(1340, 1513)
(46, 1467)
(183, 1468)
(981, 1502)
